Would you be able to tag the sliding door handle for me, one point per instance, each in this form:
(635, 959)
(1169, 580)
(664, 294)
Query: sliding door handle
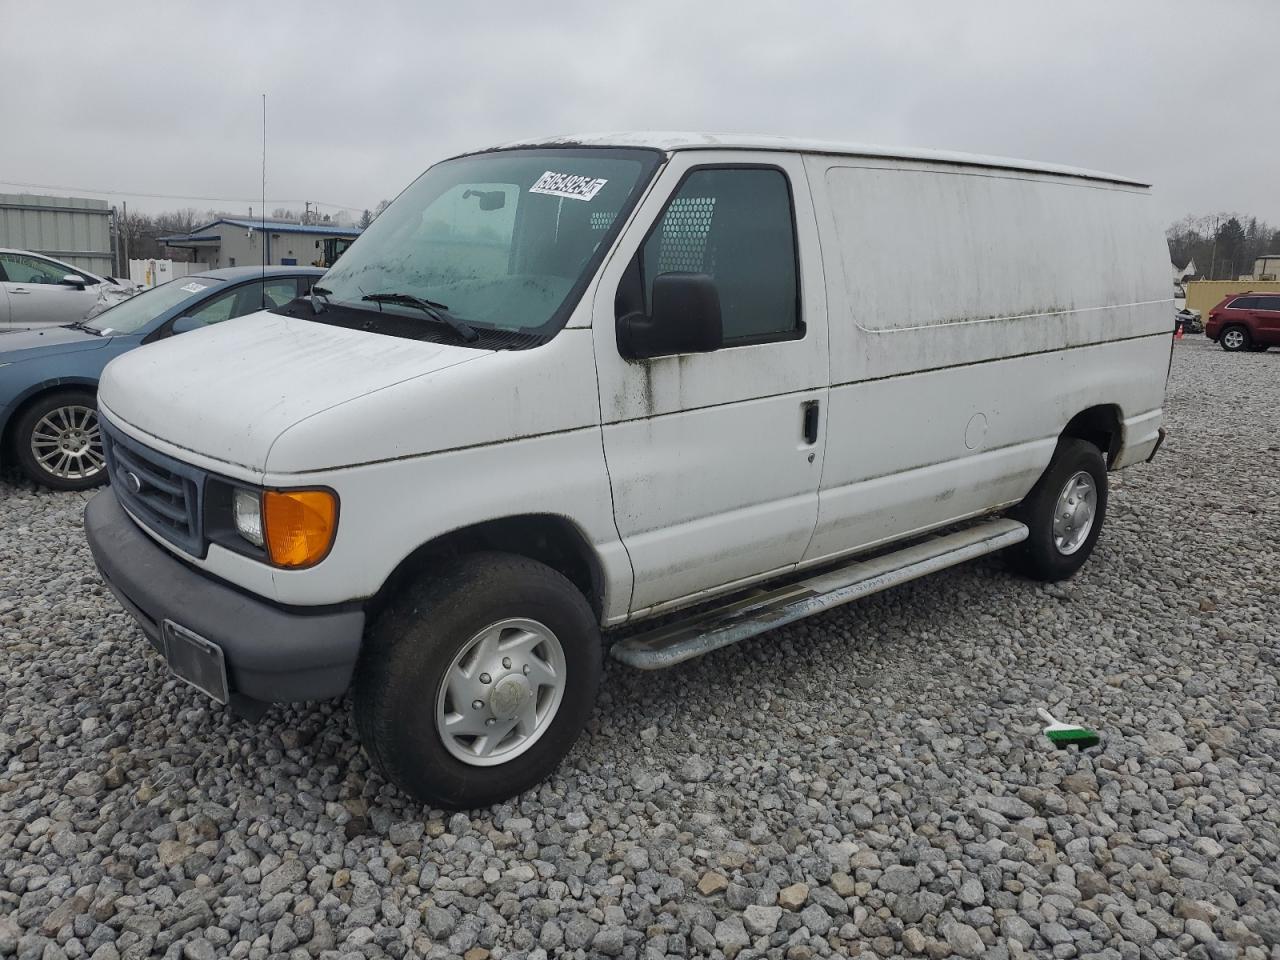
(809, 421)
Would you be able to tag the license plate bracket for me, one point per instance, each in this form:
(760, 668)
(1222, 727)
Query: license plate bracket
(195, 660)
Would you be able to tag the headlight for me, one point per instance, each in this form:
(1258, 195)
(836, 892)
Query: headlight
(286, 528)
(248, 516)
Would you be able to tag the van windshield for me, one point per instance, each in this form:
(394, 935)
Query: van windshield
(503, 241)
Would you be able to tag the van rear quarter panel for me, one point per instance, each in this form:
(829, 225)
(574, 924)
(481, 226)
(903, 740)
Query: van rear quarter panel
(973, 313)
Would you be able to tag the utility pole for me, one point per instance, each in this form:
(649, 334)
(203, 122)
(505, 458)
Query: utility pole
(125, 204)
(115, 241)
(1213, 262)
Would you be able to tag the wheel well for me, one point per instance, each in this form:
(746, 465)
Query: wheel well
(7, 438)
(1101, 426)
(547, 538)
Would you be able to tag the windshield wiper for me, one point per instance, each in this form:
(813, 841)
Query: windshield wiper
(436, 311)
(83, 325)
(322, 292)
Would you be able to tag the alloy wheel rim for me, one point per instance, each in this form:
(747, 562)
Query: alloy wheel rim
(1075, 512)
(501, 693)
(1233, 338)
(67, 443)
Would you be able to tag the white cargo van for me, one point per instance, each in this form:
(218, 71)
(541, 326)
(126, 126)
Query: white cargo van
(562, 386)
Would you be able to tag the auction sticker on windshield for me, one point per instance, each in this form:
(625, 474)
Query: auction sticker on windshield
(194, 287)
(568, 185)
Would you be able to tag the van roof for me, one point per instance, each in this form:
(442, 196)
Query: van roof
(671, 141)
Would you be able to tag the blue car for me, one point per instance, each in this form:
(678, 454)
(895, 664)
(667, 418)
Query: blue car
(49, 377)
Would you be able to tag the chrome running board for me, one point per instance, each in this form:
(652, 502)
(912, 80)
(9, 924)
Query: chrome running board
(677, 642)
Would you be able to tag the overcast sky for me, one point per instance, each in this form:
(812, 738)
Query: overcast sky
(165, 98)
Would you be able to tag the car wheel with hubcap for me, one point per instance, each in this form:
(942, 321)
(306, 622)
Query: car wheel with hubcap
(59, 442)
(1235, 338)
(475, 682)
(1063, 512)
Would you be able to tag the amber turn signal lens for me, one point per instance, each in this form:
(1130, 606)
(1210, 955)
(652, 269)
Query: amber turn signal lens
(300, 525)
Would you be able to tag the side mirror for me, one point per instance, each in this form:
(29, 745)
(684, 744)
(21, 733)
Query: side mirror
(75, 280)
(185, 324)
(685, 319)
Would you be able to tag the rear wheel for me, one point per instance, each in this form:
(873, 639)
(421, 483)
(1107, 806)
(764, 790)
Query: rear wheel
(1063, 512)
(1235, 338)
(474, 685)
(59, 443)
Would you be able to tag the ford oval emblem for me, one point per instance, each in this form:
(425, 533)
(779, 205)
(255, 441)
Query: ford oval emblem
(133, 482)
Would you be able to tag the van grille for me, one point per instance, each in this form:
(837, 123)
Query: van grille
(162, 493)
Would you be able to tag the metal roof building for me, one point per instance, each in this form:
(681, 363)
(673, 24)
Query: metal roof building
(232, 241)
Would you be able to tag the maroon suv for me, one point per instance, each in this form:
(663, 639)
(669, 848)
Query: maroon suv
(1246, 321)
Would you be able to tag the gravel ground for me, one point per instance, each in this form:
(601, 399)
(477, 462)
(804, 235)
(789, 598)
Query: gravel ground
(870, 782)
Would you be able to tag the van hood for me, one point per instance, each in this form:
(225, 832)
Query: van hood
(229, 391)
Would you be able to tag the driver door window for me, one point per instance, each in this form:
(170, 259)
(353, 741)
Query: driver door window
(736, 226)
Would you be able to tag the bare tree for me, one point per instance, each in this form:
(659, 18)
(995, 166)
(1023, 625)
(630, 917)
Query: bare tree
(1223, 245)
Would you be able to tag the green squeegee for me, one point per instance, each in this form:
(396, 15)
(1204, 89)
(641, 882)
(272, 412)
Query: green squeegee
(1063, 735)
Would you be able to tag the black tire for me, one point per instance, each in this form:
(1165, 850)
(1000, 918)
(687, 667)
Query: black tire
(412, 645)
(1039, 556)
(78, 471)
(1244, 343)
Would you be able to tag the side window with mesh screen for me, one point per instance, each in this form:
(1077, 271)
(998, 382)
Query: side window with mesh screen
(735, 225)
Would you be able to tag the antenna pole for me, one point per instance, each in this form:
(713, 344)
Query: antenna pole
(263, 210)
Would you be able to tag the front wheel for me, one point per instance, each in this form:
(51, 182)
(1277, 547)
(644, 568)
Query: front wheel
(1063, 512)
(59, 442)
(474, 685)
(1235, 338)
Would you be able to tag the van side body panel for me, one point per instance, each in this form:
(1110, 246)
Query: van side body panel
(918, 451)
(973, 313)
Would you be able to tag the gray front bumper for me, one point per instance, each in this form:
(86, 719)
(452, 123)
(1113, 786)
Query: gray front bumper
(272, 653)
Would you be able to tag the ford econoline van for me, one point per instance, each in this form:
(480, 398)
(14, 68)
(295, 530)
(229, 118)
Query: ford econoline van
(716, 383)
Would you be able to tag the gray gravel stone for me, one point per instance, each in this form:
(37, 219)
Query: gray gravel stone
(438, 922)
(731, 936)
(899, 880)
(1010, 807)
(971, 894)
(816, 919)
(579, 932)
(885, 757)
(761, 920)
(963, 939)
(282, 878)
(609, 941)
(199, 949)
